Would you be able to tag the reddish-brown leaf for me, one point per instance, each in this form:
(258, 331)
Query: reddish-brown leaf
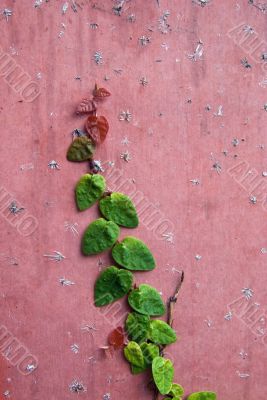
(87, 106)
(116, 338)
(100, 93)
(97, 128)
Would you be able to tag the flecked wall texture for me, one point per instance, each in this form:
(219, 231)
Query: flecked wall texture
(193, 76)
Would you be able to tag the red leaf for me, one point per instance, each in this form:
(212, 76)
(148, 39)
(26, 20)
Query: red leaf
(100, 93)
(116, 338)
(97, 128)
(87, 106)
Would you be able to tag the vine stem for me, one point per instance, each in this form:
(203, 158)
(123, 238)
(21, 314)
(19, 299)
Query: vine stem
(172, 301)
(170, 316)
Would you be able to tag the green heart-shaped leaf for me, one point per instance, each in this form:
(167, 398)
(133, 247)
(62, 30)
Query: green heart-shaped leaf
(118, 207)
(112, 284)
(134, 355)
(176, 390)
(146, 300)
(81, 149)
(137, 326)
(163, 372)
(150, 351)
(133, 254)
(161, 333)
(88, 190)
(99, 236)
(202, 396)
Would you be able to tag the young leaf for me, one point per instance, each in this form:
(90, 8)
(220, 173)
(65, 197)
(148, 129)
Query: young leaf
(97, 128)
(100, 93)
(81, 149)
(202, 396)
(150, 351)
(176, 390)
(161, 333)
(112, 284)
(134, 355)
(119, 208)
(116, 338)
(88, 190)
(163, 372)
(99, 236)
(146, 300)
(137, 326)
(87, 106)
(133, 254)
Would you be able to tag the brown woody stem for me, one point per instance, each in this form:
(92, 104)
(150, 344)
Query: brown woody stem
(172, 301)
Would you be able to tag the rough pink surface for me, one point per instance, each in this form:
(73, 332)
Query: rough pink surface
(214, 219)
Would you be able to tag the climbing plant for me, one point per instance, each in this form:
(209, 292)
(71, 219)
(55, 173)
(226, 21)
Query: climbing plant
(144, 337)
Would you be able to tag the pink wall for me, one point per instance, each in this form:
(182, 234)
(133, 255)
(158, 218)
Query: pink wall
(171, 142)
